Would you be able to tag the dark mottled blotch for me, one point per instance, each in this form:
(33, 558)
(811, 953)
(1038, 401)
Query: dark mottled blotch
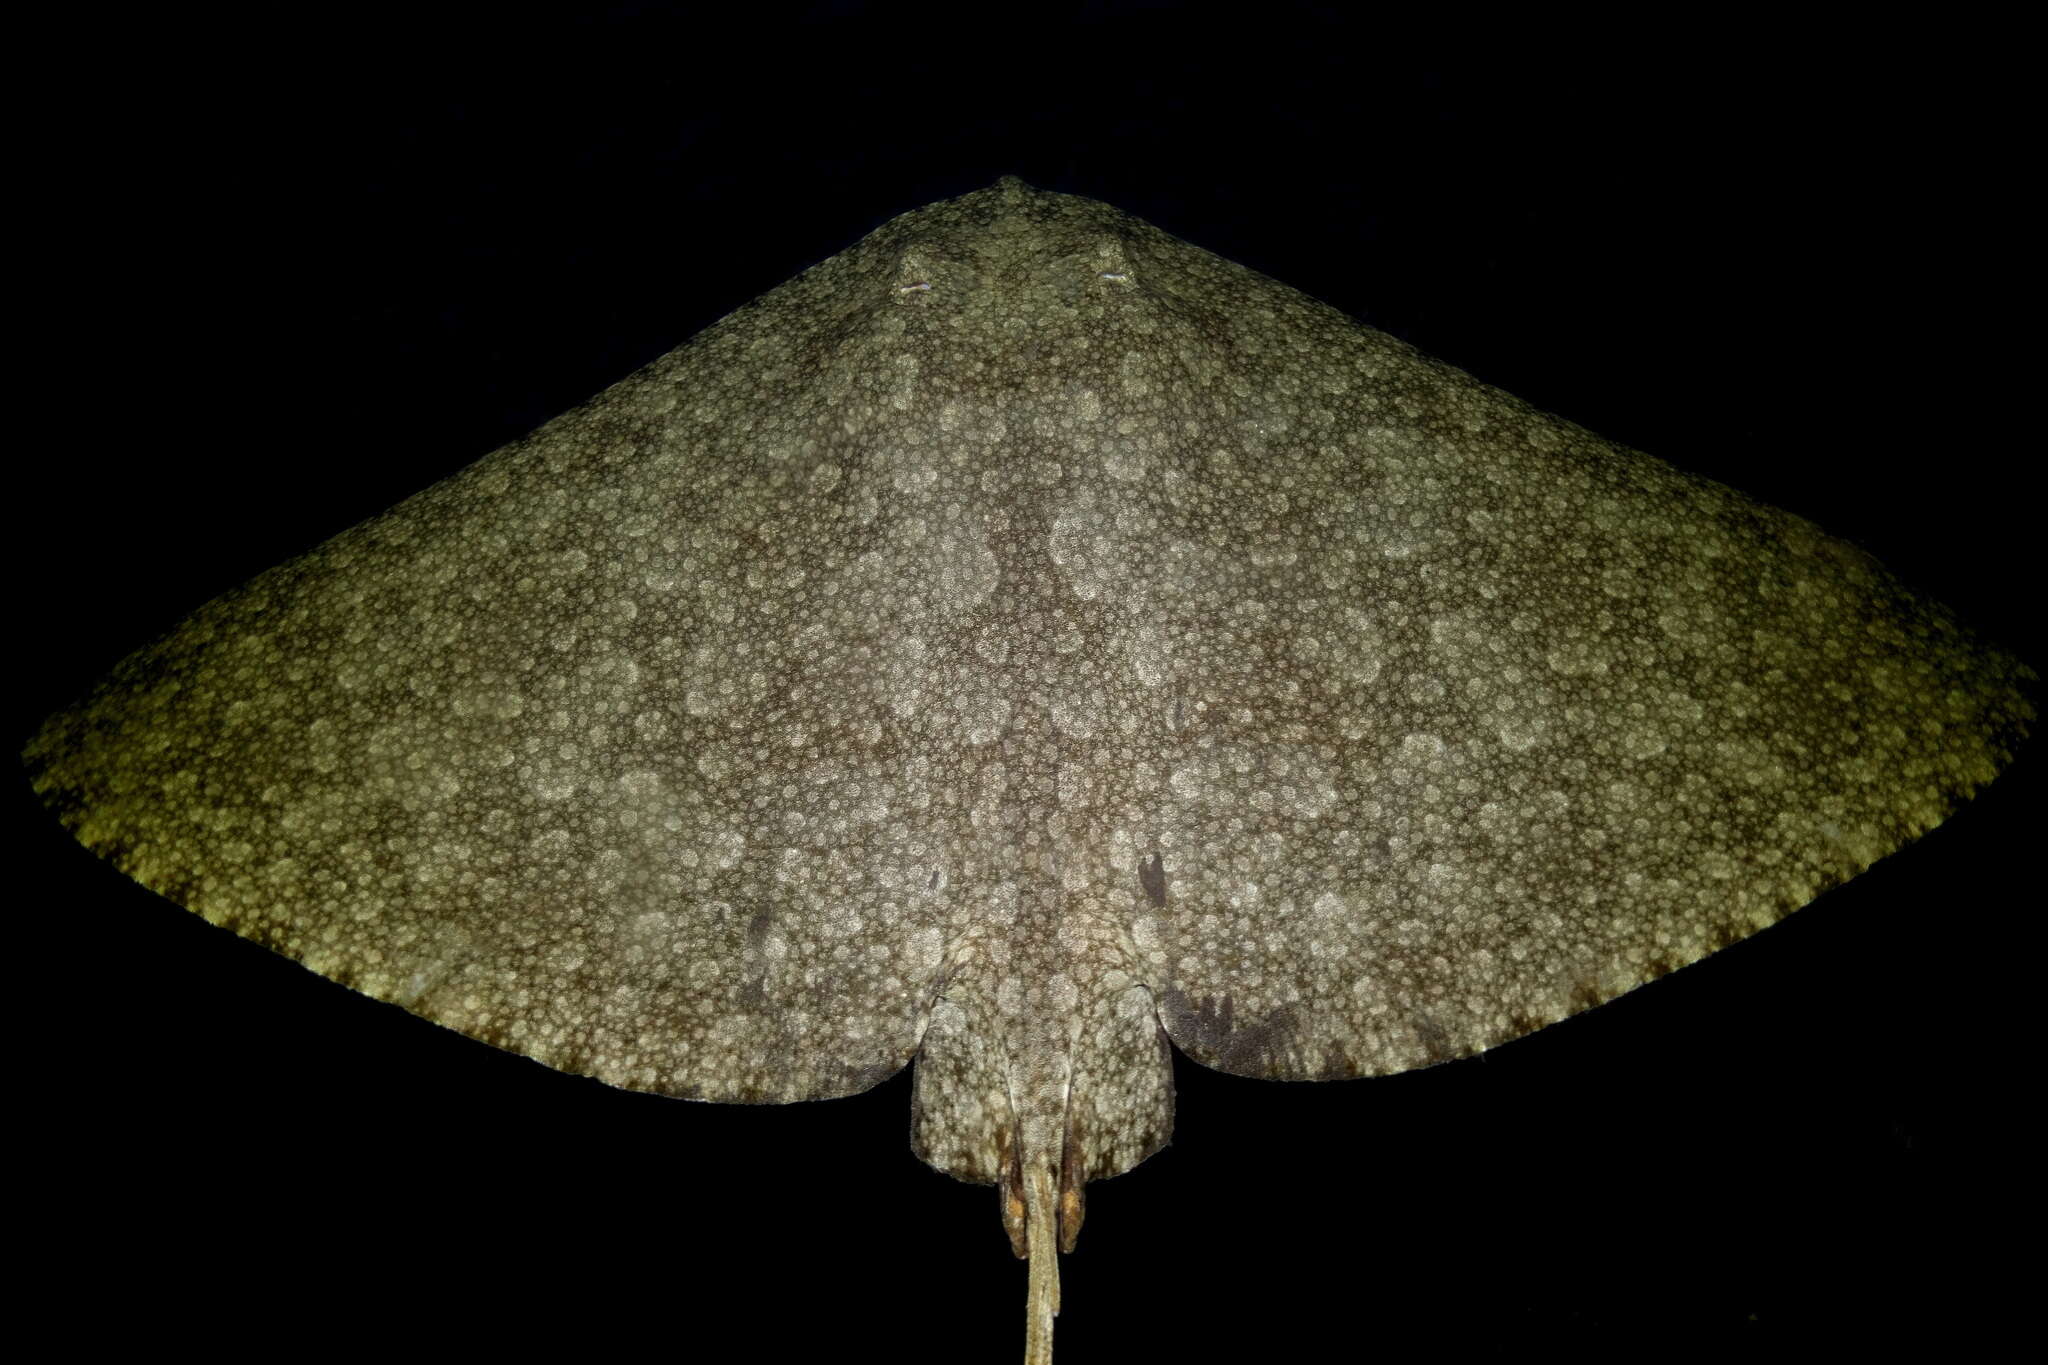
(1152, 877)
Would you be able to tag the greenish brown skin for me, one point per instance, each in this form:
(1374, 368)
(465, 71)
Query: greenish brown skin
(1019, 641)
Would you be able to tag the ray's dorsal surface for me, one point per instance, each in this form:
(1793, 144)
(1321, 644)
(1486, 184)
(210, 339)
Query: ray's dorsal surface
(1022, 640)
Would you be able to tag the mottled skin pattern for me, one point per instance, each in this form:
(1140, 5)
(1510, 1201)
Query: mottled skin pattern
(1019, 640)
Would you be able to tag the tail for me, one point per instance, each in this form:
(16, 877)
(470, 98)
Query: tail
(1042, 1246)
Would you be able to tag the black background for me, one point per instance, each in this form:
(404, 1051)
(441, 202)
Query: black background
(287, 270)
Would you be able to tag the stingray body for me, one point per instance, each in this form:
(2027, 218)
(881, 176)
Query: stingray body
(1016, 644)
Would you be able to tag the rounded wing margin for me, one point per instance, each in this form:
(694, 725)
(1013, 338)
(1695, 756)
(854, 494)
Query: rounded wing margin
(1480, 721)
(589, 751)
